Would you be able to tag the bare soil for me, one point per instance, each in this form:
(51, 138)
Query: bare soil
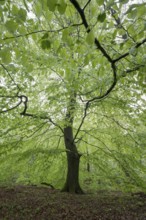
(42, 203)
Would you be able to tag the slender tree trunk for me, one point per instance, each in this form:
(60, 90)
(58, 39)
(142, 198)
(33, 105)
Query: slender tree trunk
(73, 160)
(73, 157)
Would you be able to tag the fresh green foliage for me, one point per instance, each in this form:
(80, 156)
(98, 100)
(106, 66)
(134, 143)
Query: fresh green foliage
(54, 61)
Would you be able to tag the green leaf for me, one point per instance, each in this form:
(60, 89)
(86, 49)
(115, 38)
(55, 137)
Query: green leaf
(17, 53)
(2, 2)
(15, 10)
(67, 38)
(102, 17)
(65, 34)
(110, 3)
(38, 10)
(5, 56)
(133, 51)
(45, 44)
(62, 6)
(124, 1)
(144, 27)
(100, 2)
(45, 36)
(11, 26)
(22, 29)
(90, 37)
(87, 60)
(141, 10)
(22, 14)
(51, 4)
(1, 15)
(30, 68)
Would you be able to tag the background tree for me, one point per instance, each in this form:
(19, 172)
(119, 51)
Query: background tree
(72, 73)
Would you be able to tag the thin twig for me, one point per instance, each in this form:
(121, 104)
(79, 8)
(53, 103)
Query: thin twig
(10, 76)
(86, 4)
(41, 31)
(127, 53)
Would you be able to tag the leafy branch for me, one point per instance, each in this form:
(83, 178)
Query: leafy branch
(106, 55)
(24, 113)
(41, 31)
(128, 53)
(85, 23)
(10, 77)
(119, 23)
(103, 51)
(24, 101)
(131, 70)
(14, 107)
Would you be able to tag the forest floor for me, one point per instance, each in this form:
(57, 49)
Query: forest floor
(42, 203)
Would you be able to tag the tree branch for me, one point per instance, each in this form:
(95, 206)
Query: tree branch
(24, 100)
(131, 70)
(24, 113)
(10, 76)
(98, 98)
(81, 12)
(7, 110)
(82, 122)
(86, 4)
(110, 89)
(119, 23)
(105, 54)
(103, 51)
(42, 31)
(85, 23)
(42, 117)
(127, 53)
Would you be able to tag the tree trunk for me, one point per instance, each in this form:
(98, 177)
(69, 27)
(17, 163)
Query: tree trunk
(73, 159)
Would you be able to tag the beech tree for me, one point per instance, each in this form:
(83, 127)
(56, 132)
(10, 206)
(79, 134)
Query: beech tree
(73, 67)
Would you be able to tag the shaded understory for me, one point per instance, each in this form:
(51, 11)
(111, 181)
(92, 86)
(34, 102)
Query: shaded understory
(41, 203)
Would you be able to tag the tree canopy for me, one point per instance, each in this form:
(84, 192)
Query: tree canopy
(72, 73)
